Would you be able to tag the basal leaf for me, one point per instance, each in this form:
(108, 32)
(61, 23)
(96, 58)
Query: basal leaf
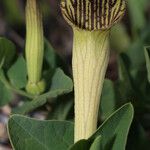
(115, 129)
(96, 145)
(31, 134)
(60, 84)
(81, 145)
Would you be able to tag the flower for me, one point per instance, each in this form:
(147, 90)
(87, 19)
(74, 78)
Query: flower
(91, 21)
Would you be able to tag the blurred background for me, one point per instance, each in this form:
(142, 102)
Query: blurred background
(127, 50)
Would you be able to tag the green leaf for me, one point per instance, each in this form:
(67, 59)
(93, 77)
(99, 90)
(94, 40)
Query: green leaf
(50, 55)
(61, 110)
(31, 134)
(114, 130)
(147, 57)
(52, 59)
(7, 52)
(60, 84)
(96, 145)
(18, 73)
(107, 99)
(29, 106)
(123, 86)
(112, 134)
(81, 145)
(5, 95)
(87, 145)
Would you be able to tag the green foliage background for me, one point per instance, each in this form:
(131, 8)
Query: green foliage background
(130, 46)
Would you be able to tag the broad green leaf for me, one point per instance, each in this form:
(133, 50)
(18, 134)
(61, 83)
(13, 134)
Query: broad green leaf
(60, 84)
(61, 81)
(114, 130)
(96, 145)
(18, 73)
(31, 134)
(87, 145)
(61, 109)
(147, 57)
(37, 146)
(7, 52)
(81, 145)
(5, 95)
(107, 99)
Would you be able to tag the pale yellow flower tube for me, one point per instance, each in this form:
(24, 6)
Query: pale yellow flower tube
(91, 22)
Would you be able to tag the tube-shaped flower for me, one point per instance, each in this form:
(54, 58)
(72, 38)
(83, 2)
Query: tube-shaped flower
(34, 47)
(91, 21)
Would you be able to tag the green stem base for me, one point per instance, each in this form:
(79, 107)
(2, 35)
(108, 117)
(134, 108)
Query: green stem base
(36, 88)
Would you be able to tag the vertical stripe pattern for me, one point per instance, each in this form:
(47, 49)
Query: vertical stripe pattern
(93, 14)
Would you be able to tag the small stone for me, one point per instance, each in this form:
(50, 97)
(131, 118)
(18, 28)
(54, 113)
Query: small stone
(6, 110)
(2, 131)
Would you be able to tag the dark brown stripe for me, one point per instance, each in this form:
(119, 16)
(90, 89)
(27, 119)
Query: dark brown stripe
(92, 14)
(75, 12)
(80, 13)
(105, 10)
(96, 14)
(84, 13)
(89, 17)
(100, 12)
(111, 4)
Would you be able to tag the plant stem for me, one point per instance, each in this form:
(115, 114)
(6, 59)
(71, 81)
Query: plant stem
(34, 47)
(90, 60)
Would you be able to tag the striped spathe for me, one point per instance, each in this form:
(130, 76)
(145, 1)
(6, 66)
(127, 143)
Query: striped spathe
(93, 14)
